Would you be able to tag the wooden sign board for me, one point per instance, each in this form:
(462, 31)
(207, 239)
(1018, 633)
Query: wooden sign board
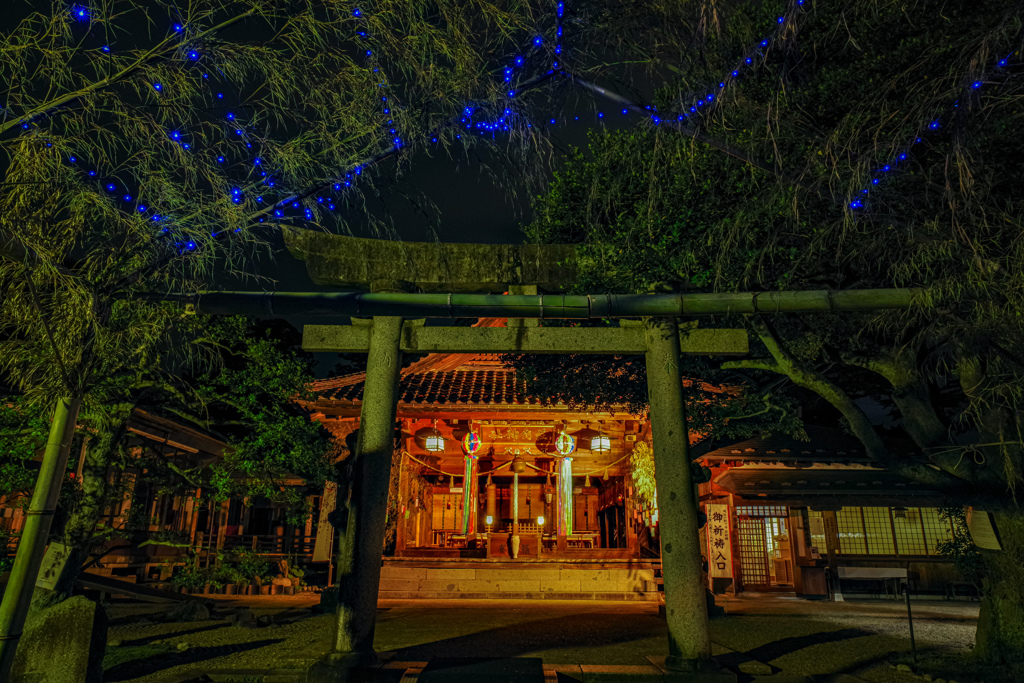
(325, 530)
(719, 542)
(983, 529)
(54, 560)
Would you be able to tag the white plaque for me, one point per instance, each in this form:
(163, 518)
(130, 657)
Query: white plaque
(983, 530)
(53, 565)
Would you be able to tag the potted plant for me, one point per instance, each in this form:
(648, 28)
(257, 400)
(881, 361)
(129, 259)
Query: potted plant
(253, 567)
(187, 578)
(231, 578)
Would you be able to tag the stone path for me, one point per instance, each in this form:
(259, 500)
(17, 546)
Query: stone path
(787, 637)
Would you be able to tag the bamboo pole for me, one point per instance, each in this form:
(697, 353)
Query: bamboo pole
(584, 306)
(20, 585)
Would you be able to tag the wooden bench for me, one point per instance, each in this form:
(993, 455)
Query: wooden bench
(963, 588)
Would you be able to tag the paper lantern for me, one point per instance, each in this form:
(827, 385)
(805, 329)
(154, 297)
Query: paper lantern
(565, 444)
(471, 443)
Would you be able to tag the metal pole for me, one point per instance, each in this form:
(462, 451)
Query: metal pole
(910, 623)
(367, 304)
(686, 611)
(21, 584)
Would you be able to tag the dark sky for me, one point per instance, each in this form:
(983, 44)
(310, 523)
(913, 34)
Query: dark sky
(470, 205)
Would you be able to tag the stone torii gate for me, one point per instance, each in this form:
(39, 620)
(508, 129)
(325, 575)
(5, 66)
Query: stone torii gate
(520, 269)
(660, 340)
(383, 267)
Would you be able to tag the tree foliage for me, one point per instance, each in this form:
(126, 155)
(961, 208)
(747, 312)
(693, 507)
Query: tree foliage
(917, 104)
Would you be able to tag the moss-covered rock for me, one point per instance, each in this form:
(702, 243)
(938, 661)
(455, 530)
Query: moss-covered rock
(63, 643)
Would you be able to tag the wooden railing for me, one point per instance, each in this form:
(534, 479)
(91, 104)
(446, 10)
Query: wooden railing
(264, 544)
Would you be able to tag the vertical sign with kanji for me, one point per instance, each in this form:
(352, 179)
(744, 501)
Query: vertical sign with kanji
(719, 543)
(325, 531)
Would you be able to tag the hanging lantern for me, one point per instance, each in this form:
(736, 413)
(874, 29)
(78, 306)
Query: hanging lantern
(600, 444)
(471, 443)
(434, 442)
(565, 444)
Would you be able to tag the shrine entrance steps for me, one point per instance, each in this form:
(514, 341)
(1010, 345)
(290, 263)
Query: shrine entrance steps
(405, 579)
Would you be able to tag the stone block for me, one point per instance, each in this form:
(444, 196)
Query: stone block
(456, 574)
(562, 586)
(399, 584)
(439, 585)
(396, 572)
(519, 586)
(585, 576)
(518, 574)
(474, 586)
(64, 643)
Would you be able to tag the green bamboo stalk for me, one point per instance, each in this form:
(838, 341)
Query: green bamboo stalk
(593, 306)
(20, 585)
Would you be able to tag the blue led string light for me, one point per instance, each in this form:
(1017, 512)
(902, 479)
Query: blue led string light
(691, 115)
(859, 199)
(492, 118)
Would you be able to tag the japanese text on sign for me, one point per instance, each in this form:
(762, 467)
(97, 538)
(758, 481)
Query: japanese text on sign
(719, 543)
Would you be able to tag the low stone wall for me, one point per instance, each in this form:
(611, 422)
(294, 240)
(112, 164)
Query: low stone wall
(534, 580)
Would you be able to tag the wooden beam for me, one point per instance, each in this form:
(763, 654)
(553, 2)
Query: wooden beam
(417, 338)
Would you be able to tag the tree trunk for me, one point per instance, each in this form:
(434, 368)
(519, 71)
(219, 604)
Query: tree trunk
(80, 529)
(24, 573)
(1000, 636)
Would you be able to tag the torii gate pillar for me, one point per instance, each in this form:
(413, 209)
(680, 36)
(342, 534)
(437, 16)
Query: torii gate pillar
(362, 538)
(689, 643)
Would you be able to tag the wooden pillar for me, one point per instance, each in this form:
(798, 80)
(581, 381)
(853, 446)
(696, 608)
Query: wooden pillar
(222, 522)
(831, 524)
(402, 523)
(193, 511)
(689, 641)
(632, 541)
(361, 541)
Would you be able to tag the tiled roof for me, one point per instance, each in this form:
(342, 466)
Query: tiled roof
(824, 444)
(450, 387)
(866, 485)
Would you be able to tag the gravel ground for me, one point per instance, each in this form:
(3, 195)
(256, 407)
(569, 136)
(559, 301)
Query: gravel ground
(793, 636)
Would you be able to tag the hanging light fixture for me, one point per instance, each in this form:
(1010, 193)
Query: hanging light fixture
(600, 443)
(433, 441)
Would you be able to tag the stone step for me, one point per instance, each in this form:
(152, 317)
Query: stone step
(642, 596)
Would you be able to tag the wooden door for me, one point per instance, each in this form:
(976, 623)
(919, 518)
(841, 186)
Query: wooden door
(753, 553)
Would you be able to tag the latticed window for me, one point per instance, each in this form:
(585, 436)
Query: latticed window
(936, 529)
(817, 529)
(909, 534)
(851, 531)
(890, 531)
(762, 510)
(878, 530)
